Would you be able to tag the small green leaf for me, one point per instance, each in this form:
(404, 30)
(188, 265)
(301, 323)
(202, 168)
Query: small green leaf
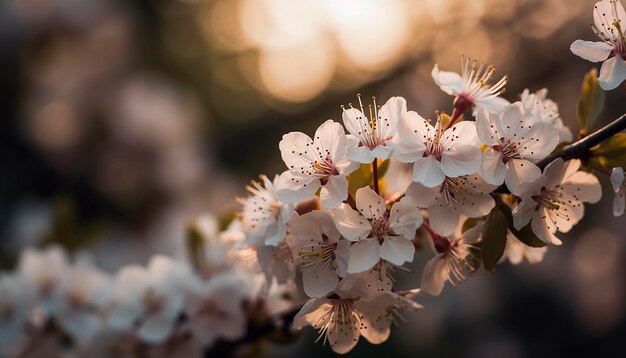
(493, 238)
(612, 152)
(590, 102)
(468, 224)
(359, 178)
(382, 168)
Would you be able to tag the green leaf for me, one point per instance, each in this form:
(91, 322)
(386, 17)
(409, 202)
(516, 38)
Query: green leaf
(382, 168)
(493, 238)
(359, 178)
(612, 152)
(590, 102)
(468, 224)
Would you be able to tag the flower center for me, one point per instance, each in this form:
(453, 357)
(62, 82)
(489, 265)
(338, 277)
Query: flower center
(323, 169)
(508, 149)
(317, 253)
(477, 84)
(380, 228)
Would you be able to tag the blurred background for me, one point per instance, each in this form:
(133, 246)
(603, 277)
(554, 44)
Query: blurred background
(120, 120)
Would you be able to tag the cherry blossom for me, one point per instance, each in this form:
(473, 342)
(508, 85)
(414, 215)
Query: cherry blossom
(374, 133)
(608, 17)
(454, 258)
(79, 301)
(545, 110)
(467, 195)
(321, 161)
(515, 139)
(554, 201)
(619, 187)
(43, 272)
(276, 262)
(323, 257)
(150, 299)
(516, 251)
(435, 152)
(472, 87)
(377, 233)
(15, 304)
(263, 214)
(215, 308)
(350, 313)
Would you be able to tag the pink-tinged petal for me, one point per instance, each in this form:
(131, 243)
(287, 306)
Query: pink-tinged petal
(513, 121)
(356, 122)
(397, 250)
(554, 172)
(427, 170)
(617, 178)
(389, 115)
(584, 187)
(312, 313)
(442, 219)
(474, 205)
(360, 154)
(435, 275)
(330, 139)
(463, 132)
(404, 219)
(350, 224)
(590, 50)
(364, 254)
(334, 192)
(344, 335)
(342, 254)
(612, 73)
(370, 204)
(319, 279)
(292, 188)
(155, 329)
(539, 141)
(492, 169)
(519, 171)
(294, 150)
(523, 213)
(422, 196)
(486, 125)
(461, 159)
(411, 137)
(539, 225)
(494, 103)
(449, 82)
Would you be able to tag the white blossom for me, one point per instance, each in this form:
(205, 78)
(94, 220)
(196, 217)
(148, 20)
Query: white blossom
(15, 305)
(454, 258)
(263, 214)
(516, 251)
(276, 262)
(215, 308)
(608, 17)
(374, 133)
(43, 271)
(554, 201)
(341, 320)
(515, 140)
(472, 87)
(320, 252)
(619, 187)
(467, 195)
(321, 161)
(377, 233)
(435, 152)
(546, 110)
(78, 303)
(150, 299)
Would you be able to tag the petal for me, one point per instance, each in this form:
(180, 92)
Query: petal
(330, 138)
(590, 50)
(541, 229)
(460, 159)
(442, 218)
(364, 254)
(605, 13)
(449, 82)
(612, 73)
(492, 169)
(486, 124)
(539, 141)
(617, 178)
(334, 192)
(619, 203)
(318, 280)
(361, 154)
(519, 171)
(312, 313)
(463, 132)
(293, 188)
(422, 196)
(584, 187)
(493, 103)
(356, 123)
(294, 150)
(427, 171)
(389, 115)
(344, 334)
(404, 219)
(434, 276)
(350, 224)
(523, 213)
(411, 137)
(383, 151)
(397, 250)
(370, 204)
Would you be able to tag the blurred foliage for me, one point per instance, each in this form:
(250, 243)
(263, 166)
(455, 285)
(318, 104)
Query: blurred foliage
(590, 102)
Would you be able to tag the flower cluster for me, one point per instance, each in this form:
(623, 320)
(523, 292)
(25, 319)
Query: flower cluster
(168, 303)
